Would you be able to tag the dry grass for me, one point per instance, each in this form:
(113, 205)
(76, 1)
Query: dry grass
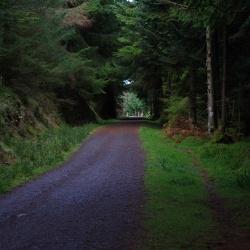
(180, 129)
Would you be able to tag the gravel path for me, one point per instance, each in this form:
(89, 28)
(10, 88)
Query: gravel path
(94, 201)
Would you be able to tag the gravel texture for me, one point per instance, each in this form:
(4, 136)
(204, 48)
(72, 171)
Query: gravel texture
(94, 201)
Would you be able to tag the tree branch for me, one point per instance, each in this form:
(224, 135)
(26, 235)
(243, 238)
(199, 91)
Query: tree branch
(175, 4)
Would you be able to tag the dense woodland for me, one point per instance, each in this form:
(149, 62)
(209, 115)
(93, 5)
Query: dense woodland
(67, 61)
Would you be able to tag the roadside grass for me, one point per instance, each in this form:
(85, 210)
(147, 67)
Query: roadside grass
(178, 216)
(229, 168)
(26, 158)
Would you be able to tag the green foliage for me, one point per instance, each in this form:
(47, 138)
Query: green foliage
(129, 52)
(163, 41)
(92, 46)
(132, 105)
(176, 107)
(25, 110)
(61, 51)
(104, 32)
(129, 49)
(28, 57)
(7, 97)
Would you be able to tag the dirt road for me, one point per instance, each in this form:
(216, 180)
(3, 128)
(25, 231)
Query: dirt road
(94, 201)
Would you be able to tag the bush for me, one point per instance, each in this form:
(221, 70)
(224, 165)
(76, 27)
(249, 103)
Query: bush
(176, 107)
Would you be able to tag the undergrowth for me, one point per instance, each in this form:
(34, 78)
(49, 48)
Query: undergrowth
(176, 206)
(26, 110)
(26, 158)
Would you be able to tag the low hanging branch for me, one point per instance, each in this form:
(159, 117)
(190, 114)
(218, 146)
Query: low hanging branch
(174, 4)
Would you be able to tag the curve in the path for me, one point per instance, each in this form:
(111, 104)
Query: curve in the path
(94, 201)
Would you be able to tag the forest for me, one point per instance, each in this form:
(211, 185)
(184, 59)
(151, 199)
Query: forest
(70, 67)
(66, 61)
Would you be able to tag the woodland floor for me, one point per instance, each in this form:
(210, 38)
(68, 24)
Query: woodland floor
(95, 200)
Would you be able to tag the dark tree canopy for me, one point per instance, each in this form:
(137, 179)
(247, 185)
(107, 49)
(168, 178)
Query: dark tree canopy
(76, 55)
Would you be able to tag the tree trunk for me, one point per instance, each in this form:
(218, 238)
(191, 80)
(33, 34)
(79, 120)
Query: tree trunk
(216, 64)
(239, 112)
(210, 84)
(223, 87)
(156, 104)
(192, 100)
(157, 82)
